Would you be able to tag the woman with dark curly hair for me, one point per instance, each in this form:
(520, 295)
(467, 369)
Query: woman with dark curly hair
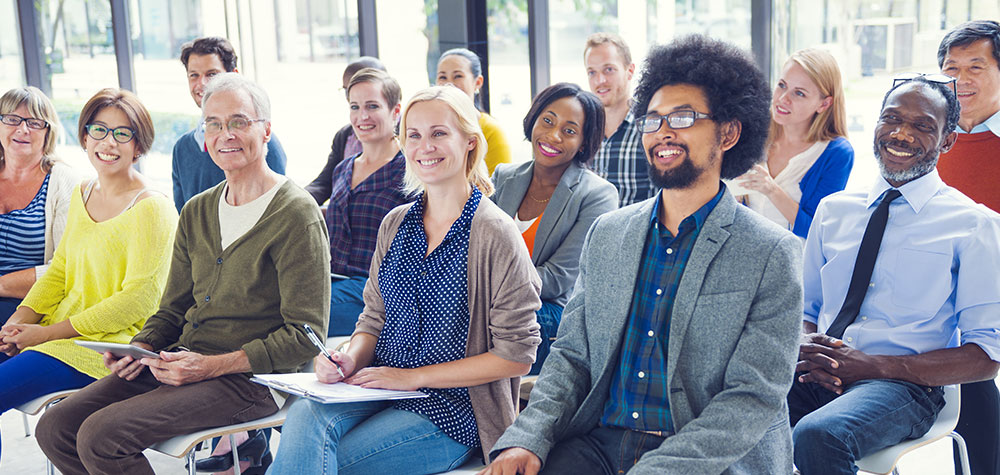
(808, 155)
(553, 198)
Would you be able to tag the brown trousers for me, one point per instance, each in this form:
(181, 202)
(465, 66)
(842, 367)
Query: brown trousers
(104, 427)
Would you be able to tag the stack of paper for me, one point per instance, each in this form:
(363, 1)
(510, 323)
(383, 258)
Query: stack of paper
(306, 385)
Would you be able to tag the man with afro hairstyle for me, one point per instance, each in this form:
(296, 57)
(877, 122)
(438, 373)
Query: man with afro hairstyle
(677, 350)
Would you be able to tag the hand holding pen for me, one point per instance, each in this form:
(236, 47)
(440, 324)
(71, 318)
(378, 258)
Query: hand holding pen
(326, 363)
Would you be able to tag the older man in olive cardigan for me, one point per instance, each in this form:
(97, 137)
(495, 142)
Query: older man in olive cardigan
(250, 266)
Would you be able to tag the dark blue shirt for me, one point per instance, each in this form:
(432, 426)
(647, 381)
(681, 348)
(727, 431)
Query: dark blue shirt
(639, 392)
(427, 314)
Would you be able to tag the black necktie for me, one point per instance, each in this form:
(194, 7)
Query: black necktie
(863, 266)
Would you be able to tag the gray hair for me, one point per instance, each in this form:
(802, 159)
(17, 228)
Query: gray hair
(236, 82)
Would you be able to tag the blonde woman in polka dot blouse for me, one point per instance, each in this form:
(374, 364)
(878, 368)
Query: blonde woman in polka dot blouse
(449, 310)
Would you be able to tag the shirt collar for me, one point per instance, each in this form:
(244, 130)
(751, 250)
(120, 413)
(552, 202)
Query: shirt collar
(199, 136)
(916, 192)
(697, 218)
(992, 125)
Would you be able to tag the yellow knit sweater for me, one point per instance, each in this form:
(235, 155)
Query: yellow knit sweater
(105, 278)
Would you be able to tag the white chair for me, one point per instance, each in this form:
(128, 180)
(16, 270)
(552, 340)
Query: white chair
(185, 446)
(885, 460)
(41, 404)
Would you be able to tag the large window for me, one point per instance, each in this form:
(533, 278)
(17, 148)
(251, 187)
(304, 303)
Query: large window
(11, 69)
(873, 40)
(510, 77)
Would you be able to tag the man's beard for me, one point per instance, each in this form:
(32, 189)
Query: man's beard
(681, 176)
(916, 170)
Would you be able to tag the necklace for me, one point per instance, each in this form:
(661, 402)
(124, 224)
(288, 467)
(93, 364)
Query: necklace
(546, 200)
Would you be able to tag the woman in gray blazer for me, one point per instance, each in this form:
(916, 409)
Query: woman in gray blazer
(553, 198)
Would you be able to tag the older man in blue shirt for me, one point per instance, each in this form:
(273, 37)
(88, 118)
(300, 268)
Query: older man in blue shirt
(901, 295)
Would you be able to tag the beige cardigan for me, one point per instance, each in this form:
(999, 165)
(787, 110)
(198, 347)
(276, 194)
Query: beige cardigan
(62, 184)
(503, 298)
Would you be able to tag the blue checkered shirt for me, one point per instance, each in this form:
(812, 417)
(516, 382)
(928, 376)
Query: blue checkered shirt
(354, 215)
(622, 161)
(639, 392)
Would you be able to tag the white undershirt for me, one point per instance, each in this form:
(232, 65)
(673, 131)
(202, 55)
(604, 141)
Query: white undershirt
(235, 221)
(523, 226)
(788, 180)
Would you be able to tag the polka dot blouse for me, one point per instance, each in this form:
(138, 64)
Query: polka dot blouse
(427, 314)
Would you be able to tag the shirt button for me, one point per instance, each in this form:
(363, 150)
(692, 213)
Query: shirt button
(659, 291)
(207, 298)
(670, 251)
(635, 415)
(849, 339)
(864, 318)
(194, 325)
(871, 284)
(218, 261)
(650, 333)
(642, 374)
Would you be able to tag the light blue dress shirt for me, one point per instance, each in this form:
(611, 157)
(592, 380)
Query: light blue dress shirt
(935, 283)
(992, 124)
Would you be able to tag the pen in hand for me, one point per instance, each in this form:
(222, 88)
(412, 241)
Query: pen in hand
(322, 348)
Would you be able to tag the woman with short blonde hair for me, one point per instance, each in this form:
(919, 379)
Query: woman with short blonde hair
(449, 311)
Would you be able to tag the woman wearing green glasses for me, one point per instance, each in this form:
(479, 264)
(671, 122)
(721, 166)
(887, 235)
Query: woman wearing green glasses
(108, 272)
(34, 192)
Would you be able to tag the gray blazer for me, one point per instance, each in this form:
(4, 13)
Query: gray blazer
(733, 342)
(579, 199)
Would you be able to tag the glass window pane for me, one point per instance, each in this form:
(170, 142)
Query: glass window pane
(408, 42)
(873, 40)
(297, 52)
(510, 75)
(79, 53)
(11, 62)
(159, 28)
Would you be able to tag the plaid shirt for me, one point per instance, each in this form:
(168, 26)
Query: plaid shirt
(622, 161)
(353, 216)
(639, 392)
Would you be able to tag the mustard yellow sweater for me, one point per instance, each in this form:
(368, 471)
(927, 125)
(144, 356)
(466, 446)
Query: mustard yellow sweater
(105, 278)
(497, 148)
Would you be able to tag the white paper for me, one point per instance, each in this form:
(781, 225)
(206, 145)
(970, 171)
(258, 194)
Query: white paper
(306, 384)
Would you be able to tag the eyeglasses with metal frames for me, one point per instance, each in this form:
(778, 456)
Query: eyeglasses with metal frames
(214, 126)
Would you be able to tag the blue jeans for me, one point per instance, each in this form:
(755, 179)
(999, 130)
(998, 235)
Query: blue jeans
(346, 303)
(830, 432)
(549, 317)
(31, 374)
(363, 438)
(606, 450)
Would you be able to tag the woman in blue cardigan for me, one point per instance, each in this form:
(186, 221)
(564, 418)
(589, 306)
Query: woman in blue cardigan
(808, 155)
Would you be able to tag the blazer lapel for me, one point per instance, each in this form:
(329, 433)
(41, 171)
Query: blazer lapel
(515, 188)
(554, 209)
(706, 247)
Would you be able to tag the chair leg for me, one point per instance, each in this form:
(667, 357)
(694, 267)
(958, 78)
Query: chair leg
(963, 452)
(27, 428)
(191, 461)
(236, 455)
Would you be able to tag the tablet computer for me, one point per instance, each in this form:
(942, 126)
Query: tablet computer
(118, 349)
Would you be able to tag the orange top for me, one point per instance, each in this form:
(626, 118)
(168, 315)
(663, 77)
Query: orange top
(529, 235)
(973, 167)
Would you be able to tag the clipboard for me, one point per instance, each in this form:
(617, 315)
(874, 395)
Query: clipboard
(306, 385)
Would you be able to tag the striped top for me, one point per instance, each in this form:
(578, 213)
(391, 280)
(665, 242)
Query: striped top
(22, 234)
